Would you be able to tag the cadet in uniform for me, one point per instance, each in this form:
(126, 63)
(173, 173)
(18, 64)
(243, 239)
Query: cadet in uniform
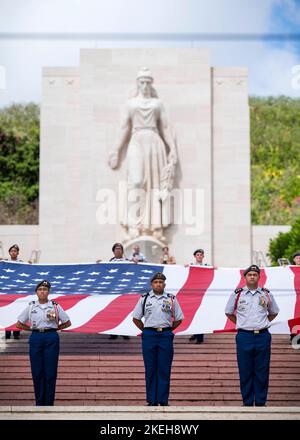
(13, 257)
(118, 251)
(252, 308)
(296, 258)
(199, 257)
(45, 318)
(162, 315)
(118, 257)
(166, 258)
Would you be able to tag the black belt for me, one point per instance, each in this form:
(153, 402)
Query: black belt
(158, 329)
(253, 331)
(44, 330)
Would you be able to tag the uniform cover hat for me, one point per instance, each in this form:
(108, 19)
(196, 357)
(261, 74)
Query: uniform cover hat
(158, 276)
(43, 283)
(252, 268)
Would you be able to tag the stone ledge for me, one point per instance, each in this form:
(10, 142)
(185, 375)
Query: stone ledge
(143, 412)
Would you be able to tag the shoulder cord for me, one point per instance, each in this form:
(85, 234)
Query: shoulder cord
(267, 295)
(236, 301)
(144, 303)
(56, 312)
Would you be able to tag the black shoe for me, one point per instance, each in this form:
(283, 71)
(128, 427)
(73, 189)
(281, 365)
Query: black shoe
(126, 337)
(199, 342)
(152, 404)
(17, 337)
(113, 336)
(163, 404)
(192, 338)
(7, 337)
(260, 404)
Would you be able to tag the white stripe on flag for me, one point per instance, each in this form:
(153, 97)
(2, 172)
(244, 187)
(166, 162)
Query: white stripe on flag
(280, 282)
(176, 277)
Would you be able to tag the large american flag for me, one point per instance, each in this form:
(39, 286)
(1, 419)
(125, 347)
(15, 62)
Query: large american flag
(100, 298)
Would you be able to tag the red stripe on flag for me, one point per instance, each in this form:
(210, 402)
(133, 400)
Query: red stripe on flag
(191, 294)
(111, 316)
(296, 321)
(294, 325)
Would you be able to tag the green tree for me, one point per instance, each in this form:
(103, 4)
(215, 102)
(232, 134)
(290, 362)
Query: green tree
(285, 244)
(275, 160)
(19, 164)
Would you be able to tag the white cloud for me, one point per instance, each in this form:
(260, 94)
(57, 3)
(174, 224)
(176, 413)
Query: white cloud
(134, 15)
(269, 67)
(290, 9)
(272, 75)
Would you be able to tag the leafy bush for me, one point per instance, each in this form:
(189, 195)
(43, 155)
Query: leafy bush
(285, 244)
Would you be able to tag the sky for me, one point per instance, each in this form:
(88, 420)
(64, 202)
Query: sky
(37, 33)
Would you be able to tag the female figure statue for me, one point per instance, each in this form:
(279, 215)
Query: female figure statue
(151, 160)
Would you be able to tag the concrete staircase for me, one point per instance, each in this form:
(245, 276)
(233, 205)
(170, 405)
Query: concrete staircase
(95, 371)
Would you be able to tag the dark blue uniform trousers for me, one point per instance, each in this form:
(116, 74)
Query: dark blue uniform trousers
(44, 351)
(253, 356)
(158, 356)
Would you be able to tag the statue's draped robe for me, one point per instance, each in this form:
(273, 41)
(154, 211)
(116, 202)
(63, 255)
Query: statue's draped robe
(146, 160)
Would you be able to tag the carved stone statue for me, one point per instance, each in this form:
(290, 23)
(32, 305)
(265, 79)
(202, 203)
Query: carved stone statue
(151, 161)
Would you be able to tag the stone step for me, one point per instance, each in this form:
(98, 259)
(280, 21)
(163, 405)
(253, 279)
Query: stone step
(140, 412)
(96, 371)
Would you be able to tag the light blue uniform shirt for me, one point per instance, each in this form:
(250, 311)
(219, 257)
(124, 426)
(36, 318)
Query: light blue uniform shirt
(41, 315)
(119, 260)
(252, 309)
(140, 257)
(159, 310)
(14, 261)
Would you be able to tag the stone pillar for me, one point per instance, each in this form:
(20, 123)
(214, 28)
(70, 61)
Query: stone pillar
(61, 176)
(231, 168)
